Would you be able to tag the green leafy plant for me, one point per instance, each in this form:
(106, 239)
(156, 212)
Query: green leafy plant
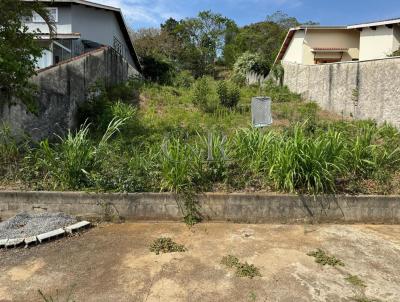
(230, 261)
(323, 258)
(229, 94)
(242, 269)
(166, 245)
(204, 94)
(279, 94)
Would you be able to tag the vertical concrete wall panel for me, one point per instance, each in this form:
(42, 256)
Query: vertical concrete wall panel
(62, 89)
(363, 90)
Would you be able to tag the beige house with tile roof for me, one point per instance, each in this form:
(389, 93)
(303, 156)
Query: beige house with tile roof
(311, 45)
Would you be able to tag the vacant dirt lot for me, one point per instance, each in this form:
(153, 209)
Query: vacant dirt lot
(113, 263)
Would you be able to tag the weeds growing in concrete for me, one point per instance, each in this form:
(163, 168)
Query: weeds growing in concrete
(323, 258)
(166, 245)
(355, 280)
(242, 269)
(230, 261)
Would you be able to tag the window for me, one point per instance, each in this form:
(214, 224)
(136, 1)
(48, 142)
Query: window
(53, 13)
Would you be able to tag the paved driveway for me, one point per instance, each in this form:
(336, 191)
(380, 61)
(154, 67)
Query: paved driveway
(113, 263)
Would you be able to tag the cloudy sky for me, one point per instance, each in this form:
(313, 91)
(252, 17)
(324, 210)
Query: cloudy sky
(150, 13)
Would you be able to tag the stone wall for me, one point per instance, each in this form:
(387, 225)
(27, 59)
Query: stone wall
(238, 207)
(61, 90)
(363, 90)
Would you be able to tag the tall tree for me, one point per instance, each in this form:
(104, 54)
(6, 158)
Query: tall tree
(18, 49)
(202, 40)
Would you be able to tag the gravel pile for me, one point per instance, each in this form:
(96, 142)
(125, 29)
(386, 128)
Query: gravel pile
(25, 225)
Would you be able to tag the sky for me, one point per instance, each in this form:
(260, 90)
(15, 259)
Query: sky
(151, 13)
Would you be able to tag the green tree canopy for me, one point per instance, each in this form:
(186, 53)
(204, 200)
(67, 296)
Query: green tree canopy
(18, 49)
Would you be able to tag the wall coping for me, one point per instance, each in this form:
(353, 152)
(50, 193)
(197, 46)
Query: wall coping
(345, 62)
(263, 194)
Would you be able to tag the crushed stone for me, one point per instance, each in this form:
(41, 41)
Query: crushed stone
(26, 225)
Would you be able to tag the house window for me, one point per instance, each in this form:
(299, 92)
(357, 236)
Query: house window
(53, 13)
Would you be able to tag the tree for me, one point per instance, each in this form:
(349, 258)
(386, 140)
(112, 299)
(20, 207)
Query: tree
(262, 38)
(19, 51)
(201, 40)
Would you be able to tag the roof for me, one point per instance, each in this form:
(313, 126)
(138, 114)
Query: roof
(118, 14)
(375, 23)
(330, 49)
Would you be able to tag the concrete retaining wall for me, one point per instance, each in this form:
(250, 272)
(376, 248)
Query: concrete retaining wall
(61, 89)
(363, 90)
(247, 208)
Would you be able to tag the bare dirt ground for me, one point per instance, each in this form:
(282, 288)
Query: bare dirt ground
(113, 263)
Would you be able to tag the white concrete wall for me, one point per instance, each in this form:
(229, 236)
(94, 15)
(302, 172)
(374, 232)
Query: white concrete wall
(294, 53)
(97, 25)
(332, 86)
(63, 25)
(376, 44)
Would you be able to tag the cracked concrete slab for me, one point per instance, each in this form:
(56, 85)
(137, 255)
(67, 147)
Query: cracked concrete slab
(113, 263)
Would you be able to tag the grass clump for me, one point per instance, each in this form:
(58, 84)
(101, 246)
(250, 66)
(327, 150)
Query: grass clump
(247, 270)
(166, 245)
(323, 258)
(230, 261)
(355, 280)
(242, 269)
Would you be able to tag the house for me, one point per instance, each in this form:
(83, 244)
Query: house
(81, 26)
(312, 44)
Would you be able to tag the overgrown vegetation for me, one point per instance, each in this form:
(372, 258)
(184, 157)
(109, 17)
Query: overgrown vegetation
(323, 258)
(242, 269)
(170, 140)
(166, 245)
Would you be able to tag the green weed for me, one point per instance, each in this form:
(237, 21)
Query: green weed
(166, 245)
(323, 258)
(355, 280)
(242, 269)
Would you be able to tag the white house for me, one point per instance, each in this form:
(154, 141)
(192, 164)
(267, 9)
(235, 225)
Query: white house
(310, 45)
(81, 26)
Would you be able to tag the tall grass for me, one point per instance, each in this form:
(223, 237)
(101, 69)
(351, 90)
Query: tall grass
(307, 164)
(9, 151)
(68, 164)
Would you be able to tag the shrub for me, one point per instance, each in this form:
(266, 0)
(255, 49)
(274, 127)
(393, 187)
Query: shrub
(184, 79)
(157, 69)
(229, 94)
(204, 94)
(127, 92)
(248, 62)
(280, 93)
